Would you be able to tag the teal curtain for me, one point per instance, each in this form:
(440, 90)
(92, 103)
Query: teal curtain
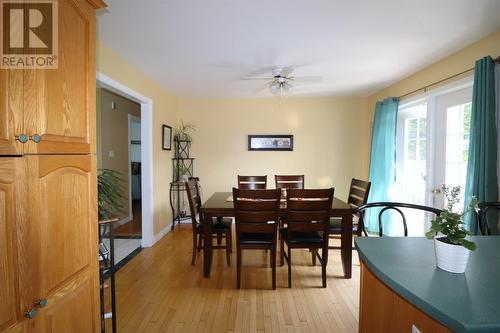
(382, 158)
(482, 166)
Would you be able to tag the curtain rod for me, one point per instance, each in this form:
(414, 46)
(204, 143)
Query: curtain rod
(424, 88)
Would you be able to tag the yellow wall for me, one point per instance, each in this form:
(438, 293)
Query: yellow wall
(451, 65)
(331, 140)
(114, 66)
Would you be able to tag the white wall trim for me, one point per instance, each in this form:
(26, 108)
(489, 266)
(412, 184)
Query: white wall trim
(162, 233)
(146, 151)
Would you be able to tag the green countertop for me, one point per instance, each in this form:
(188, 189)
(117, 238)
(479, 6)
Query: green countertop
(468, 302)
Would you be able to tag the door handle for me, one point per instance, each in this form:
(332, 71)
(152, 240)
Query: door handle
(30, 314)
(436, 191)
(23, 138)
(35, 138)
(41, 303)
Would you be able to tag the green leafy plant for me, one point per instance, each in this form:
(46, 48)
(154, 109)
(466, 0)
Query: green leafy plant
(183, 170)
(451, 224)
(110, 190)
(184, 131)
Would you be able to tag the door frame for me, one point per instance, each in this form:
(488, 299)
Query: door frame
(131, 119)
(146, 151)
(430, 96)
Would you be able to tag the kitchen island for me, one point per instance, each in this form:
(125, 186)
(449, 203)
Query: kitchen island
(402, 289)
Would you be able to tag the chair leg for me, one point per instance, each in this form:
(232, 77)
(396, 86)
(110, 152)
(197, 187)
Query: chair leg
(282, 252)
(289, 267)
(313, 254)
(200, 242)
(230, 240)
(324, 262)
(219, 239)
(228, 248)
(238, 267)
(193, 259)
(273, 266)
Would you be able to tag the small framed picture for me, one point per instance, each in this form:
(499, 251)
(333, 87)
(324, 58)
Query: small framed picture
(166, 137)
(270, 142)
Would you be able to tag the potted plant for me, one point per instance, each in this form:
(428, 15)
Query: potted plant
(184, 132)
(450, 244)
(183, 138)
(184, 172)
(110, 189)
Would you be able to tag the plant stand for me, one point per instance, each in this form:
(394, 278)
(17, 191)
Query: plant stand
(177, 188)
(107, 270)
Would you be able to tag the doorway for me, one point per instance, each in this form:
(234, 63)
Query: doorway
(432, 149)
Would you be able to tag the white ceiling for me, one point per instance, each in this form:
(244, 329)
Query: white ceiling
(201, 48)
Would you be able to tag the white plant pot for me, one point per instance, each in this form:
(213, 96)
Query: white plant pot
(449, 257)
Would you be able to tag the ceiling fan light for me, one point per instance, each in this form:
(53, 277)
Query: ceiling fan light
(274, 87)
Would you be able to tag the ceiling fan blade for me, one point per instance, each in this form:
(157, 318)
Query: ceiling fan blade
(282, 71)
(256, 78)
(307, 78)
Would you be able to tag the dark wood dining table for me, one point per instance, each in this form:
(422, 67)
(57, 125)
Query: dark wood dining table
(219, 205)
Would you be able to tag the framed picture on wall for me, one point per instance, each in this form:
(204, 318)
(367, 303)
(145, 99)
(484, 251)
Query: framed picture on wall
(166, 137)
(270, 142)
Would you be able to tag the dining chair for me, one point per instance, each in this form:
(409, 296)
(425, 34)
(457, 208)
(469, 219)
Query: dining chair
(289, 181)
(221, 228)
(256, 215)
(398, 207)
(358, 195)
(485, 213)
(307, 216)
(252, 182)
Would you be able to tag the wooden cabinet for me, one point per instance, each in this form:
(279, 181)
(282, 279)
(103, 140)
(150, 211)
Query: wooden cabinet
(12, 216)
(48, 197)
(383, 310)
(11, 111)
(63, 223)
(56, 104)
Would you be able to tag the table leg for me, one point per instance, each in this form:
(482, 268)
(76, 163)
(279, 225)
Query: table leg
(346, 245)
(207, 244)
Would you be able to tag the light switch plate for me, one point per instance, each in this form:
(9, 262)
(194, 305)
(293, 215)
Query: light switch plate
(414, 329)
(111, 153)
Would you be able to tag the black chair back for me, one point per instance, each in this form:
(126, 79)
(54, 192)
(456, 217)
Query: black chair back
(252, 182)
(392, 206)
(289, 181)
(487, 212)
(255, 210)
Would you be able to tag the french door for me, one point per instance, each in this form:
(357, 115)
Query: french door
(432, 150)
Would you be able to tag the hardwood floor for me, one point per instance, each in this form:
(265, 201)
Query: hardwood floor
(134, 227)
(159, 291)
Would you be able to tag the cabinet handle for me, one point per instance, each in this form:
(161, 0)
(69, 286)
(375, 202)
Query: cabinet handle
(35, 138)
(41, 303)
(30, 314)
(23, 138)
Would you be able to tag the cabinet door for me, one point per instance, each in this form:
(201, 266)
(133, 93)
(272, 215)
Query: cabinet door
(12, 244)
(60, 103)
(11, 111)
(63, 223)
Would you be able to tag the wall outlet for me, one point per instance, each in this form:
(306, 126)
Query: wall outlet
(111, 153)
(414, 329)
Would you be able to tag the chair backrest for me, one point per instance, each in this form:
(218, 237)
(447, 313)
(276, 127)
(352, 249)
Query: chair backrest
(252, 182)
(309, 210)
(194, 198)
(358, 193)
(392, 206)
(289, 181)
(256, 211)
(485, 215)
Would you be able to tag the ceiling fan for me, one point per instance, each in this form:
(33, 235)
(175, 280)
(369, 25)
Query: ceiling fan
(279, 84)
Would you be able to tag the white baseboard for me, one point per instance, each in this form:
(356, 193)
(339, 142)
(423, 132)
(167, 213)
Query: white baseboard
(123, 221)
(161, 234)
